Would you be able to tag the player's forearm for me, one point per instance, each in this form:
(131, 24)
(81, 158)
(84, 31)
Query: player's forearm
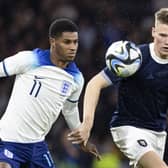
(90, 102)
(92, 94)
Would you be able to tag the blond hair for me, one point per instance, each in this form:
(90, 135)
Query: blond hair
(161, 16)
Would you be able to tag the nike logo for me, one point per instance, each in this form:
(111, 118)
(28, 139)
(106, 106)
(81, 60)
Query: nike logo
(38, 77)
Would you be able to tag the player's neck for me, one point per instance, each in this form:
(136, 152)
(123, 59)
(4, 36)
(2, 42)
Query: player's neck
(161, 56)
(59, 63)
(164, 56)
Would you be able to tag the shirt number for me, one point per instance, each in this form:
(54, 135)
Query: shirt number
(36, 88)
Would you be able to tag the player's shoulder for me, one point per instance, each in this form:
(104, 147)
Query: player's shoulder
(43, 56)
(73, 70)
(25, 53)
(34, 58)
(24, 57)
(145, 50)
(41, 52)
(36, 51)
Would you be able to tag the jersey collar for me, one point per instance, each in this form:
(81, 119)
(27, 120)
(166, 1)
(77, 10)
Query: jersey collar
(155, 57)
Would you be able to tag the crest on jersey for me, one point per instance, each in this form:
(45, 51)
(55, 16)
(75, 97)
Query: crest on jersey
(8, 153)
(65, 87)
(142, 142)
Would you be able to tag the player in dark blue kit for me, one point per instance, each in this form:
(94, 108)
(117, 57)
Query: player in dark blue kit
(138, 126)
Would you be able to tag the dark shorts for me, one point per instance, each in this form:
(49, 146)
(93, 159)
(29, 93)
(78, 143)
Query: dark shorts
(31, 155)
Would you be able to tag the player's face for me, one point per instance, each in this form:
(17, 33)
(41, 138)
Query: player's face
(64, 48)
(160, 35)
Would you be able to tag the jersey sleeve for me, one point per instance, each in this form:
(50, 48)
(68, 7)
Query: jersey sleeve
(110, 76)
(79, 83)
(18, 63)
(70, 110)
(71, 115)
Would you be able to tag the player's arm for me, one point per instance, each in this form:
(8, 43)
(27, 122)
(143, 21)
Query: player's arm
(16, 64)
(71, 115)
(91, 98)
(70, 110)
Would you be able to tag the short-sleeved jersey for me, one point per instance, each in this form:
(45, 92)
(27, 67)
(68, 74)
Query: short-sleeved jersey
(142, 97)
(41, 90)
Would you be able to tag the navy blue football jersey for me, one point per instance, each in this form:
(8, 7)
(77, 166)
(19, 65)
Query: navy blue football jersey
(143, 97)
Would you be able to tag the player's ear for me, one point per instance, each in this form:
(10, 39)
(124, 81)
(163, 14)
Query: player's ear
(52, 41)
(153, 31)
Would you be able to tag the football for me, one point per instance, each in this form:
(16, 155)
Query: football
(124, 58)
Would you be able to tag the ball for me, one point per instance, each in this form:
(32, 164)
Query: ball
(124, 58)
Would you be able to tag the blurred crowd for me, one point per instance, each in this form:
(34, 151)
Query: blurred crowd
(24, 26)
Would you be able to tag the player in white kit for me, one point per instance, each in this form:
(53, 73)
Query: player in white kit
(47, 83)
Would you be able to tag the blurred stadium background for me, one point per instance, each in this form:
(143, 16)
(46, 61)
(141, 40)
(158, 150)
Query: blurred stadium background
(24, 25)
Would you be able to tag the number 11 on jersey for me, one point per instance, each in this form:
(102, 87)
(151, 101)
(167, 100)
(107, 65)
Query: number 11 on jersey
(35, 88)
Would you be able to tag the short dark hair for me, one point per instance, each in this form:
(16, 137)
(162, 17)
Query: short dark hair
(61, 25)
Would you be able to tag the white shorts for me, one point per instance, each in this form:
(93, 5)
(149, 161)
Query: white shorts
(135, 142)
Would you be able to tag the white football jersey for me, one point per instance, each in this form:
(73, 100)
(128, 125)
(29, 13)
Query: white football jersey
(40, 92)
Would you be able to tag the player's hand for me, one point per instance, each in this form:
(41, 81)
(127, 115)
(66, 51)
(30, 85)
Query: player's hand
(79, 135)
(90, 148)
